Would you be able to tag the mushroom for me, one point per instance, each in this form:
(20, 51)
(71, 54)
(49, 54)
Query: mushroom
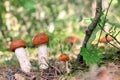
(18, 46)
(64, 58)
(106, 39)
(75, 44)
(41, 41)
(72, 39)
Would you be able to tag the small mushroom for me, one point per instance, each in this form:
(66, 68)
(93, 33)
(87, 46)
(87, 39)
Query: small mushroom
(72, 39)
(74, 45)
(18, 46)
(106, 39)
(64, 58)
(41, 41)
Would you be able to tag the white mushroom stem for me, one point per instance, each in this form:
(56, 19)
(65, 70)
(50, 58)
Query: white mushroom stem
(43, 56)
(23, 59)
(66, 66)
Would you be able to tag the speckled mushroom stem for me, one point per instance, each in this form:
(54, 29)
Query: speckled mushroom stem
(43, 56)
(23, 59)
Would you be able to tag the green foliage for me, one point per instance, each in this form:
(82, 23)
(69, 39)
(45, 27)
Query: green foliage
(114, 24)
(91, 55)
(88, 20)
(35, 16)
(30, 22)
(57, 39)
(2, 48)
(28, 5)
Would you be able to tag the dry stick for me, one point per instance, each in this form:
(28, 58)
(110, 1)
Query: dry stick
(92, 26)
(53, 66)
(107, 10)
(111, 43)
(94, 23)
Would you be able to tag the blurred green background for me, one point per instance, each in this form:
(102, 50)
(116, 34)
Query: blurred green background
(23, 19)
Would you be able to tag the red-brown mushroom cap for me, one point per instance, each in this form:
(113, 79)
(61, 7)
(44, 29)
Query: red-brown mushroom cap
(16, 44)
(72, 39)
(40, 38)
(64, 57)
(106, 39)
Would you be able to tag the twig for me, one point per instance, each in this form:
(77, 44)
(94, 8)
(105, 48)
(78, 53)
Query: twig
(50, 73)
(110, 35)
(94, 23)
(92, 26)
(111, 43)
(54, 67)
(117, 33)
(107, 10)
(104, 20)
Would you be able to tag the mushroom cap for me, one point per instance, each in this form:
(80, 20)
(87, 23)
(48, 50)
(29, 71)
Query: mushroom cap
(103, 74)
(106, 39)
(72, 39)
(16, 44)
(64, 57)
(40, 38)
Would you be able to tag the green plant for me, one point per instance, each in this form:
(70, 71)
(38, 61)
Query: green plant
(91, 55)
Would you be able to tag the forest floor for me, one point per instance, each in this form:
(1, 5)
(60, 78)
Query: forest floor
(9, 68)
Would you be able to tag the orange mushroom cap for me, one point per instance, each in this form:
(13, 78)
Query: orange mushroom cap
(72, 39)
(64, 57)
(106, 39)
(16, 44)
(40, 38)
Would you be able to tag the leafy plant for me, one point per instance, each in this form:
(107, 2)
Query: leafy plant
(91, 55)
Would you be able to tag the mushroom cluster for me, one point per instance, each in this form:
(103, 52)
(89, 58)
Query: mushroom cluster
(40, 40)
